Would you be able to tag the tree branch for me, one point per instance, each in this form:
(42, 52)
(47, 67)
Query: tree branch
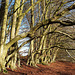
(32, 31)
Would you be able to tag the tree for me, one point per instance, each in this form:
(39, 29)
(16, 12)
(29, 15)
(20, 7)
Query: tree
(11, 19)
(44, 54)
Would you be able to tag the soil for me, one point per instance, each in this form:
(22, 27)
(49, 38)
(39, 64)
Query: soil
(56, 68)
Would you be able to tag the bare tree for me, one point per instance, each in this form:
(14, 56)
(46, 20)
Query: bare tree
(49, 21)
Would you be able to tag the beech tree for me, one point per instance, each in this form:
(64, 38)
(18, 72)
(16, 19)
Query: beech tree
(45, 22)
(43, 54)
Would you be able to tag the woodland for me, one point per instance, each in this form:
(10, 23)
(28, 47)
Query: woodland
(49, 25)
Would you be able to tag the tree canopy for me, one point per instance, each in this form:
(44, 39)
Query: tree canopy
(50, 25)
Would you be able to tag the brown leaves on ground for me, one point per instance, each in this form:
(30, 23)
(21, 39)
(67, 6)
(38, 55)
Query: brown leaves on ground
(56, 68)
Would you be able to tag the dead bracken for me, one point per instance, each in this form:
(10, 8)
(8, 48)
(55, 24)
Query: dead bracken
(56, 68)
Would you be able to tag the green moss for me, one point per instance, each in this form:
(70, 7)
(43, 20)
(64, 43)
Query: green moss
(5, 71)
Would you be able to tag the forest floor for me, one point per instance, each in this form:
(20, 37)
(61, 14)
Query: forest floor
(56, 68)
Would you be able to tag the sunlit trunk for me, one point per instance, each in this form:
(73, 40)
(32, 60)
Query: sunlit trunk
(3, 50)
